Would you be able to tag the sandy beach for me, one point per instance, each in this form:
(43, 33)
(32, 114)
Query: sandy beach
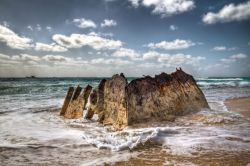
(239, 105)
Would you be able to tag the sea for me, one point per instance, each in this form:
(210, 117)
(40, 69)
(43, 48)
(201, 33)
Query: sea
(33, 133)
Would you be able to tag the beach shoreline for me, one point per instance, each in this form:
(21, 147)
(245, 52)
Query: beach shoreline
(240, 105)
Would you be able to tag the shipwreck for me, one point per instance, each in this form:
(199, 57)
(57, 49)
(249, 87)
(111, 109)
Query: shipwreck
(119, 103)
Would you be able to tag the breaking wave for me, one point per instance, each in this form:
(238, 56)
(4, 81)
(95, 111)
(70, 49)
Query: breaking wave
(178, 140)
(182, 137)
(223, 82)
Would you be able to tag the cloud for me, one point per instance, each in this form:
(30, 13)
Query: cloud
(49, 47)
(80, 40)
(108, 23)
(19, 59)
(229, 13)
(165, 7)
(152, 55)
(55, 58)
(219, 48)
(172, 45)
(7, 60)
(110, 61)
(49, 28)
(63, 61)
(2, 56)
(30, 27)
(124, 52)
(38, 27)
(181, 59)
(234, 58)
(13, 40)
(84, 23)
(6, 24)
(239, 56)
(101, 34)
(26, 57)
(43, 60)
(173, 27)
(223, 48)
(173, 59)
(134, 3)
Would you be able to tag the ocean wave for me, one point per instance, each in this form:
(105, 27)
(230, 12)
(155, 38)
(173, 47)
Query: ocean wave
(224, 84)
(176, 140)
(127, 139)
(219, 79)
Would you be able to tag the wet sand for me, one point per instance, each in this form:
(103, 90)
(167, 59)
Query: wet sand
(156, 156)
(239, 105)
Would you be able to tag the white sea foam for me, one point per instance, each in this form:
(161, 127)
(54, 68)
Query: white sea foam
(126, 139)
(219, 79)
(177, 140)
(224, 84)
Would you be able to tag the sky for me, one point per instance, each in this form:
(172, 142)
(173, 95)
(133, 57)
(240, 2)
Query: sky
(95, 38)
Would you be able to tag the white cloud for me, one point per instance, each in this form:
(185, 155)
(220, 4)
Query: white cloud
(13, 40)
(63, 61)
(172, 45)
(38, 27)
(124, 52)
(30, 27)
(49, 28)
(180, 59)
(7, 60)
(55, 58)
(26, 59)
(101, 34)
(152, 55)
(49, 47)
(173, 59)
(107, 34)
(223, 48)
(134, 3)
(80, 40)
(110, 61)
(173, 27)
(239, 56)
(234, 58)
(165, 7)
(219, 48)
(84, 23)
(108, 23)
(4, 57)
(6, 24)
(229, 13)
(19, 59)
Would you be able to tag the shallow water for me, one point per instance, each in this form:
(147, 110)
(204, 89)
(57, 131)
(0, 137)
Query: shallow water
(31, 132)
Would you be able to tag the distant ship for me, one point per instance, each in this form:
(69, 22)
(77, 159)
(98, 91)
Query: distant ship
(31, 77)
